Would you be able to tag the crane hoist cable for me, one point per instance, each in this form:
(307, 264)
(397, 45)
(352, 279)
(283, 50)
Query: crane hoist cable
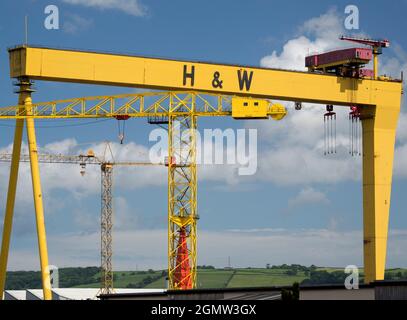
(330, 130)
(355, 136)
(121, 124)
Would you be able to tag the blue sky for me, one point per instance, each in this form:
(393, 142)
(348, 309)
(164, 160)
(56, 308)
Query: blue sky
(299, 208)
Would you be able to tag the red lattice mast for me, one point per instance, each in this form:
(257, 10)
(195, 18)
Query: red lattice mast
(182, 274)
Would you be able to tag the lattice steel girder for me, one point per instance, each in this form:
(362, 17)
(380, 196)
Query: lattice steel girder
(144, 105)
(182, 200)
(141, 105)
(106, 226)
(53, 158)
(72, 159)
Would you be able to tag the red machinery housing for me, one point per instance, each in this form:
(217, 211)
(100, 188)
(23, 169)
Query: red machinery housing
(345, 62)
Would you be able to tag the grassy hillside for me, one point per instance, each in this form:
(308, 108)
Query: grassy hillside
(207, 277)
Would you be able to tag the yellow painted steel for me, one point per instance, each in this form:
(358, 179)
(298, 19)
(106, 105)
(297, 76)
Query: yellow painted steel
(380, 100)
(379, 134)
(133, 71)
(375, 64)
(243, 108)
(277, 112)
(39, 209)
(140, 105)
(11, 196)
(182, 195)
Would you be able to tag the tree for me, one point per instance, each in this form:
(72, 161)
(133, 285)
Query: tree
(291, 294)
(325, 277)
(291, 272)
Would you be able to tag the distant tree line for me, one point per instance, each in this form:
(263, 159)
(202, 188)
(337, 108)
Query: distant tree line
(68, 277)
(204, 267)
(325, 277)
(146, 281)
(318, 277)
(293, 269)
(144, 272)
(395, 275)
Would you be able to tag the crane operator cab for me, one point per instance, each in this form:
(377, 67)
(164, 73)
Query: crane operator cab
(248, 108)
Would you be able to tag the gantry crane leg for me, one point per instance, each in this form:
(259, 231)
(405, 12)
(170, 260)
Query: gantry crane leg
(106, 250)
(379, 134)
(12, 187)
(182, 201)
(38, 204)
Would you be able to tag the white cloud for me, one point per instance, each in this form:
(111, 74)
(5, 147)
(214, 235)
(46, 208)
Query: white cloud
(132, 7)
(254, 248)
(74, 23)
(308, 196)
(392, 66)
(292, 152)
(126, 218)
(325, 31)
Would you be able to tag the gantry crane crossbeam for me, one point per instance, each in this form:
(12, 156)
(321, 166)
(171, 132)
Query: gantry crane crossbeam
(77, 66)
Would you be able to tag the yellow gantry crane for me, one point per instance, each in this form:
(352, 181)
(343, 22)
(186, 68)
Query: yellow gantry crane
(106, 217)
(233, 90)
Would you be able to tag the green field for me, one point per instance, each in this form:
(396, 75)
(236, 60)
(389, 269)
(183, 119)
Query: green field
(264, 277)
(222, 278)
(206, 278)
(216, 278)
(125, 279)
